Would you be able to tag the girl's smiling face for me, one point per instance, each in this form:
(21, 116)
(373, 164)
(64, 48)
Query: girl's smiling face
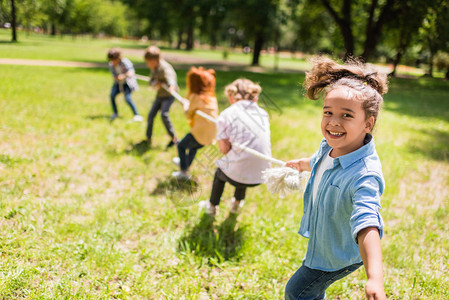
(344, 124)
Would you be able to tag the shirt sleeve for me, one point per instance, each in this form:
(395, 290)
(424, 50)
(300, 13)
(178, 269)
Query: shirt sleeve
(222, 132)
(366, 205)
(127, 64)
(170, 76)
(111, 69)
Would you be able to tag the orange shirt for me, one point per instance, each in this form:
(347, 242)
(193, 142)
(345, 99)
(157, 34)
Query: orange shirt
(203, 130)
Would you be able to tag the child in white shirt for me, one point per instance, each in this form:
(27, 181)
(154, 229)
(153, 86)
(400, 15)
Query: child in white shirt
(244, 122)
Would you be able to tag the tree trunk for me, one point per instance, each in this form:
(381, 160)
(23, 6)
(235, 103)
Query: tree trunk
(430, 71)
(213, 39)
(344, 23)
(348, 40)
(374, 30)
(13, 21)
(178, 45)
(257, 48)
(447, 75)
(189, 42)
(396, 62)
(53, 29)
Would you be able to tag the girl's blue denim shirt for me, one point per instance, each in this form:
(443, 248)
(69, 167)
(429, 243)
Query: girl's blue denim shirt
(348, 200)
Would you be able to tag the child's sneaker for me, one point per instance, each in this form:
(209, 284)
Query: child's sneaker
(173, 142)
(137, 118)
(208, 208)
(176, 160)
(181, 175)
(113, 117)
(236, 205)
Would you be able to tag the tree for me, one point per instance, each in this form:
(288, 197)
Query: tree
(257, 18)
(13, 21)
(302, 33)
(405, 26)
(435, 30)
(377, 14)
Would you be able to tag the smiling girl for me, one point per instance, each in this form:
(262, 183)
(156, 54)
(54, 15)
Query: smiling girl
(341, 215)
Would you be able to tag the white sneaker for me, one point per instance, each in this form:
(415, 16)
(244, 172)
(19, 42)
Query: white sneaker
(176, 160)
(208, 208)
(181, 175)
(236, 205)
(137, 118)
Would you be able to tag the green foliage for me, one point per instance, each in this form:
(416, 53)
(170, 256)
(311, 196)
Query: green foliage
(441, 61)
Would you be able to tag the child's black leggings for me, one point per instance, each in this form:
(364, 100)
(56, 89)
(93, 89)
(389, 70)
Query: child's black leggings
(220, 179)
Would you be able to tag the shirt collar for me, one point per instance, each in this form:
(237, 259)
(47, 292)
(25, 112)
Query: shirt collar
(348, 159)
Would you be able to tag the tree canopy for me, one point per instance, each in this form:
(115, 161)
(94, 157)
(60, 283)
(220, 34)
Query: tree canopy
(371, 29)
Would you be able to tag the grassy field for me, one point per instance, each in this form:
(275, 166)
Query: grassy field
(87, 213)
(87, 49)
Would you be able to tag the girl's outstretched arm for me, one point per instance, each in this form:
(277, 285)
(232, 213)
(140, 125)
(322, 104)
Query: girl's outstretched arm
(371, 252)
(302, 164)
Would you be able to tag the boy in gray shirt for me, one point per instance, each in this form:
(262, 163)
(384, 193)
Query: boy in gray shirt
(163, 77)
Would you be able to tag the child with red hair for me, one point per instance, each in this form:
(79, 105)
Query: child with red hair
(201, 96)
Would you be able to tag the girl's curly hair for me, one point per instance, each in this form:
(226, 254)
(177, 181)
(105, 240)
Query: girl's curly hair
(243, 89)
(368, 84)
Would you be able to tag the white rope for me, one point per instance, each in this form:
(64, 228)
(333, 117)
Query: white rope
(282, 180)
(238, 145)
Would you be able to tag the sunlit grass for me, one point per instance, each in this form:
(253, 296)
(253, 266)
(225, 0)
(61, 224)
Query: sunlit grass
(87, 214)
(88, 49)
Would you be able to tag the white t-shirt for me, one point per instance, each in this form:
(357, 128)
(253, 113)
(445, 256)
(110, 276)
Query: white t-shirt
(326, 163)
(246, 123)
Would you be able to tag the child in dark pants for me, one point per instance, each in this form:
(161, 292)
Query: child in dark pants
(200, 97)
(244, 122)
(163, 77)
(124, 81)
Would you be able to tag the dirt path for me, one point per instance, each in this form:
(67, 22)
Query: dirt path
(179, 60)
(184, 61)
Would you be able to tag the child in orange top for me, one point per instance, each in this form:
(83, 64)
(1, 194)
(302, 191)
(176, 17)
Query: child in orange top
(201, 96)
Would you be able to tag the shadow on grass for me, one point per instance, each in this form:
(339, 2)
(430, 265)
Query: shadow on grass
(222, 242)
(182, 192)
(422, 98)
(139, 148)
(436, 146)
(97, 117)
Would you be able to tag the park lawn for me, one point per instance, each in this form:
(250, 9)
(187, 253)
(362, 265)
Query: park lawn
(88, 49)
(86, 212)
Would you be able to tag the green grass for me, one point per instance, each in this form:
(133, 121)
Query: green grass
(87, 213)
(88, 49)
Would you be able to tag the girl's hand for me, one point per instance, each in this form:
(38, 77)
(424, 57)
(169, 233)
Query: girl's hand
(374, 290)
(120, 77)
(224, 146)
(302, 164)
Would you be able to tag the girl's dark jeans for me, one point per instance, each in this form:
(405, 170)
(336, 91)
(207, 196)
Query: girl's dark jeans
(187, 143)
